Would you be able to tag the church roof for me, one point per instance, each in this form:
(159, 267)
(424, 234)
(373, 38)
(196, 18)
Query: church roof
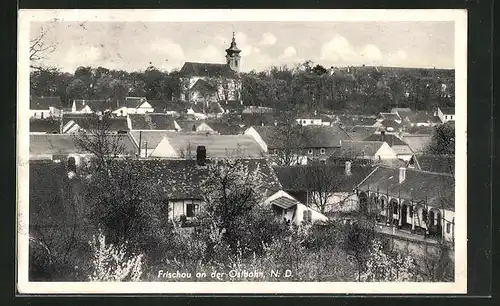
(207, 70)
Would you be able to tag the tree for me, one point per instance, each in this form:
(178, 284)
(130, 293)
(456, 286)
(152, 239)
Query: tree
(288, 137)
(77, 89)
(383, 267)
(443, 140)
(39, 49)
(321, 182)
(113, 263)
(231, 191)
(98, 141)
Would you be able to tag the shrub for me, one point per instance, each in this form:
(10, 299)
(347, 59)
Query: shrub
(112, 263)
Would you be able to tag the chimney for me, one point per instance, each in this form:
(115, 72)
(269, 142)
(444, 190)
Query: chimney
(347, 168)
(201, 155)
(402, 174)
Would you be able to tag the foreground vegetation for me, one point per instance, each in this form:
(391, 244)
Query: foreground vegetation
(115, 230)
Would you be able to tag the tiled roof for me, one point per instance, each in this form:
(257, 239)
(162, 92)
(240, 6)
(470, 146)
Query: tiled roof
(225, 128)
(390, 123)
(207, 70)
(366, 148)
(45, 125)
(421, 130)
(133, 102)
(150, 138)
(181, 179)
(418, 143)
(298, 178)
(437, 163)
(43, 103)
(391, 139)
(436, 188)
(258, 119)
(352, 120)
(360, 132)
(63, 144)
(187, 125)
(94, 105)
(217, 146)
(90, 122)
(392, 116)
(152, 121)
(256, 110)
(310, 136)
(284, 202)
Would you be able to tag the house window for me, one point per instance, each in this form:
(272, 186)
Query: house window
(310, 151)
(41, 115)
(411, 212)
(190, 209)
(303, 121)
(311, 122)
(322, 151)
(448, 228)
(323, 161)
(35, 115)
(445, 116)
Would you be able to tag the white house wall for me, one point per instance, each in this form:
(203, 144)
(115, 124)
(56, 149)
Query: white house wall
(385, 152)
(252, 132)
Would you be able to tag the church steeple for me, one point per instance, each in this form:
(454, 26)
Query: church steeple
(233, 56)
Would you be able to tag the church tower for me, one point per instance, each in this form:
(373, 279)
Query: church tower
(233, 58)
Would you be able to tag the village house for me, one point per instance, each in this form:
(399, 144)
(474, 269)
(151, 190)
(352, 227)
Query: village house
(360, 132)
(257, 110)
(418, 118)
(45, 107)
(133, 105)
(437, 163)
(61, 147)
(45, 126)
(173, 108)
(366, 150)
(389, 116)
(445, 114)
(311, 144)
(292, 211)
(330, 185)
(402, 149)
(148, 140)
(263, 119)
(313, 119)
(152, 121)
(183, 146)
(212, 82)
(183, 195)
(411, 201)
(82, 123)
(195, 126)
(81, 106)
(354, 120)
(417, 142)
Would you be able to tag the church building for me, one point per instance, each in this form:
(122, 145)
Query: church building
(212, 82)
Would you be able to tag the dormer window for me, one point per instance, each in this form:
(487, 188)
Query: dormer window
(322, 151)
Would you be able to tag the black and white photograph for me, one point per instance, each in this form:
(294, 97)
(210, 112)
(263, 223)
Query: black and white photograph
(242, 151)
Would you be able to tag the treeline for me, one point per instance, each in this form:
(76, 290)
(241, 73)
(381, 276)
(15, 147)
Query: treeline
(306, 87)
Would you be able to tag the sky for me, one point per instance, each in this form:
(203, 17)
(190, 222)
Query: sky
(133, 46)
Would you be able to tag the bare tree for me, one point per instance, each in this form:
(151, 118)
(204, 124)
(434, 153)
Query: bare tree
(40, 49)
(97, 139)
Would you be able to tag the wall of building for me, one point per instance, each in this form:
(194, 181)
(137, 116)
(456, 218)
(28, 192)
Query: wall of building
(40, 114)
(177, 208)
(385, 152)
